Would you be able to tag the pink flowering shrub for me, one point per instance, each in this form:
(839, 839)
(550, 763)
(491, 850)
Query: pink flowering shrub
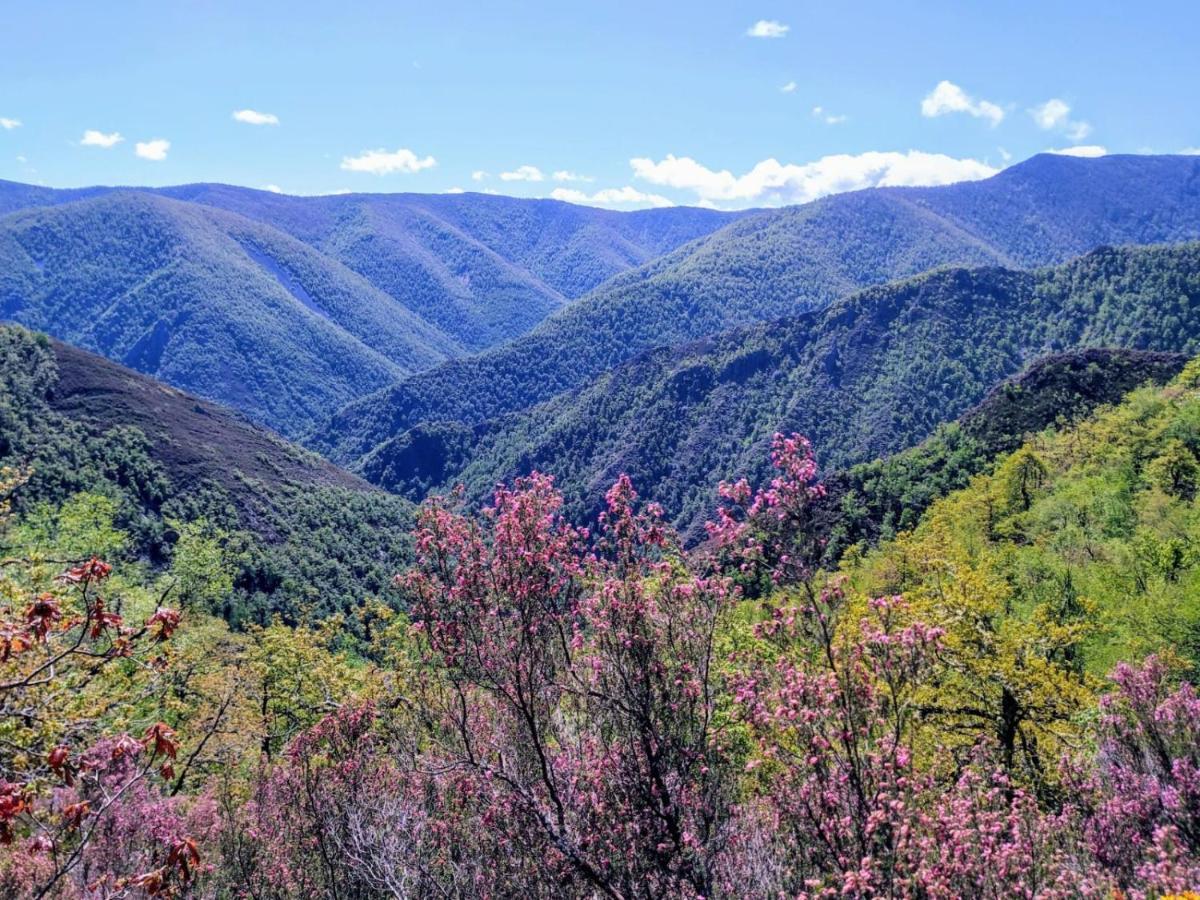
(579, 689)
(587, 715)
(830, 718)
(1142, 787)
(81, 815)
(346, 812)
(767, 536)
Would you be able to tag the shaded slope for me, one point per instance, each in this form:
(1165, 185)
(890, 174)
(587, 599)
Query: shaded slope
(867, 377)
(783, 262)
(307, 537)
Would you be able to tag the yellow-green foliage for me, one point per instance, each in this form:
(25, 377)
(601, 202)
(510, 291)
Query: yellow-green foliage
(231, 697)
(1080, 549)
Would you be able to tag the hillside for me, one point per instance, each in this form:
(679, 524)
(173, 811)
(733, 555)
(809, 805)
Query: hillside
(876, 500)
(211, 302)
(307, 536)
(1097, 522)
(783, 262)
(479, 269)
(484, 268)
(869, 376)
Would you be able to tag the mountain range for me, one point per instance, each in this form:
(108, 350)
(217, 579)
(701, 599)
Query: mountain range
(868, 376)
(289, 307)
(789, 261)
(426, 340)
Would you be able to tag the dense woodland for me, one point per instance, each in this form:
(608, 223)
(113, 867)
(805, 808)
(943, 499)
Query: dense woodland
(781, 263)
(870, 376)
(749, 572)
(303, 540)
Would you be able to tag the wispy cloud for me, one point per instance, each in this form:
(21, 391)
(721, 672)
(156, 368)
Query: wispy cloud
(826, 116)
(253, 117)
(565, 175)
(1055, 115)
(9, 124)
(155, 150)
(273, 188)
(948, 98)
(789, 88)
(382, 162)
(479, 175)
(1089, 151)
(523, 173)
(771, 182)
(767, 28)
(92, 138)
(622, 196)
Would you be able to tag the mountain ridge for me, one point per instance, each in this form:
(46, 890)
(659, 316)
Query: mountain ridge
(771, 264)
(867, 377)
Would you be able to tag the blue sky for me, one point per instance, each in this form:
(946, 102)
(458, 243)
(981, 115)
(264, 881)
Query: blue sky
(630, 103)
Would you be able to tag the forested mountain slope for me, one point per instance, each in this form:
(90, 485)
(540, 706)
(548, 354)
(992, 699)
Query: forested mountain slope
(876, 500)
(867, 377)
(211, 302)
(481, 268)
(485, 268)
(783, 262)
(1096, 525)
(307, 538)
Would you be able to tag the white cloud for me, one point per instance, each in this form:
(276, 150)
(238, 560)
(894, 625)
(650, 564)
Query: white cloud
(1004, 154)
(622, 196)
(949, 98)
(9, 124)
(381, 162)
(253, 117)
(92, 138)
(564, 175)
(155, 150)
(273, 188)
(826, 116)
(454, 190)
(1190, 151)
(523, 173)
(1089, 151)
(773, 182)
(1055, 115)
(767, 28)
(478, 175)
(22, 159)
(1050, 114)
(789, 88)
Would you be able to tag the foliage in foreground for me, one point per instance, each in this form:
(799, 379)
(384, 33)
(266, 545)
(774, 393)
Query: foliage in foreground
(567, 713)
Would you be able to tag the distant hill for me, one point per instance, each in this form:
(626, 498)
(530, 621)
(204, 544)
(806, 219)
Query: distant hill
(784, 262)
(211, 302)
(480, 269)
(483, 268)
(867, 377)
(309, 538)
